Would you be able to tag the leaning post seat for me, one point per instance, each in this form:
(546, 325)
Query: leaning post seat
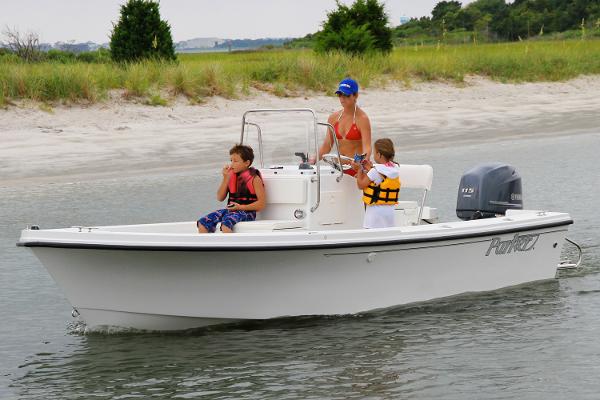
(415, 177)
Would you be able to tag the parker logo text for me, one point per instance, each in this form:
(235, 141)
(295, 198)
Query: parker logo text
(517, 243)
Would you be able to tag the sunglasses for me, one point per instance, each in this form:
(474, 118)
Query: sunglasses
(343, 95)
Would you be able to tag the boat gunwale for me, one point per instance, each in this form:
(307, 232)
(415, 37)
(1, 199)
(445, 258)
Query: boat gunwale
(254, 247)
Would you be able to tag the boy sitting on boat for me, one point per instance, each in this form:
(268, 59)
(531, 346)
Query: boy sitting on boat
(246, 193)
(380, 183)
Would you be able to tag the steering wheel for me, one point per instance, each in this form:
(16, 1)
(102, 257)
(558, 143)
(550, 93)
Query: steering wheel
(332, 159)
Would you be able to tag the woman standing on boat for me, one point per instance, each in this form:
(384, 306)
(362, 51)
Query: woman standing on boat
(351, 124)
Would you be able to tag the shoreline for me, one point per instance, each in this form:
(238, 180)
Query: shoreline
(119, 138)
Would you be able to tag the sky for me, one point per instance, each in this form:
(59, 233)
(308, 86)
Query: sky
(91, 20)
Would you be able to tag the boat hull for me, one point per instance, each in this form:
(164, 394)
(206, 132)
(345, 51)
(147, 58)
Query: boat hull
(161, 289)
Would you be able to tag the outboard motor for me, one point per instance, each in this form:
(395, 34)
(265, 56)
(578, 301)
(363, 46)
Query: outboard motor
(488, 190)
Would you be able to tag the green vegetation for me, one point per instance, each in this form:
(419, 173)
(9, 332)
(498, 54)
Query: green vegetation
(484, 21)
(69, 57)
(496, 20)
(357, 29)
(141, 34)
(291, 72)
(306, 42)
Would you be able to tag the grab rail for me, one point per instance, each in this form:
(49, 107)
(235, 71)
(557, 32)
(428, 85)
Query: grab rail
(337, 148)
(260, 145)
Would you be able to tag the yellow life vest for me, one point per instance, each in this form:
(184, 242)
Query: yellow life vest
(386, 193)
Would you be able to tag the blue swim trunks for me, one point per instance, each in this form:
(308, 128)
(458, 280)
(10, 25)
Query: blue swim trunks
(226, 218)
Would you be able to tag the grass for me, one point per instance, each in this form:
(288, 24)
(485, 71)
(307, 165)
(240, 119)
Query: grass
(293, 72)
(156, 100)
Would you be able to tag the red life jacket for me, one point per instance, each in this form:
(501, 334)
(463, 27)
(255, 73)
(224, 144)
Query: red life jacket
(241, 187)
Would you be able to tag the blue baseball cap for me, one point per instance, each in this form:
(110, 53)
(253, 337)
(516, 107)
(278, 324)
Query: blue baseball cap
(347, 87)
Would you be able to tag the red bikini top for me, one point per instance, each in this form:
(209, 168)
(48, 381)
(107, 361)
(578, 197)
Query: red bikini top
(352, 134)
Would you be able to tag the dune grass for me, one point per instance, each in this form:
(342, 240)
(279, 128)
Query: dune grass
(293, 72)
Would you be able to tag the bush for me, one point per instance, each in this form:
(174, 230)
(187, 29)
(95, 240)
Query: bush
(141, 34)
(68, 57)
(10, 58)
(98, 57)
(60, 56)
(356, 29)
(350, 38)
(306, 42)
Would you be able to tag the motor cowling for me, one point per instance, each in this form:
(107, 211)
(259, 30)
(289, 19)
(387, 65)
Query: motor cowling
(488, 190)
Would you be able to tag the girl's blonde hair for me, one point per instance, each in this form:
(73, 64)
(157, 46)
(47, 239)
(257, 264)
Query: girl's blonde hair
(385, 147)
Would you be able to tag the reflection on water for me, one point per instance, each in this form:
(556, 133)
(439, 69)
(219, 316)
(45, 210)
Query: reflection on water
(535, 341)
(416, 350)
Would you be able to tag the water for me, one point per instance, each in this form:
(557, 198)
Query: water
(535, 341)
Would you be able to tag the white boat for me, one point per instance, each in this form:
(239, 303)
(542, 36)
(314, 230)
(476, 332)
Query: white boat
(306, 254)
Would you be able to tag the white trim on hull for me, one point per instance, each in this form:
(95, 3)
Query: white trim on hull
(166, 289)
(152, 238)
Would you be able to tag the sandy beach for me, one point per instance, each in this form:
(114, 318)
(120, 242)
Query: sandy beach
(120, 138)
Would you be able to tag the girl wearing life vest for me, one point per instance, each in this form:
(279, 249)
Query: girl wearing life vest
(246, 193)
(380, 183)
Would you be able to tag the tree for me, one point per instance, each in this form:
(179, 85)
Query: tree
(414, 27)
(445, 14)
(486, 16)
(356, 29)
(443, 8)
(25, 46)
(141, 34)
